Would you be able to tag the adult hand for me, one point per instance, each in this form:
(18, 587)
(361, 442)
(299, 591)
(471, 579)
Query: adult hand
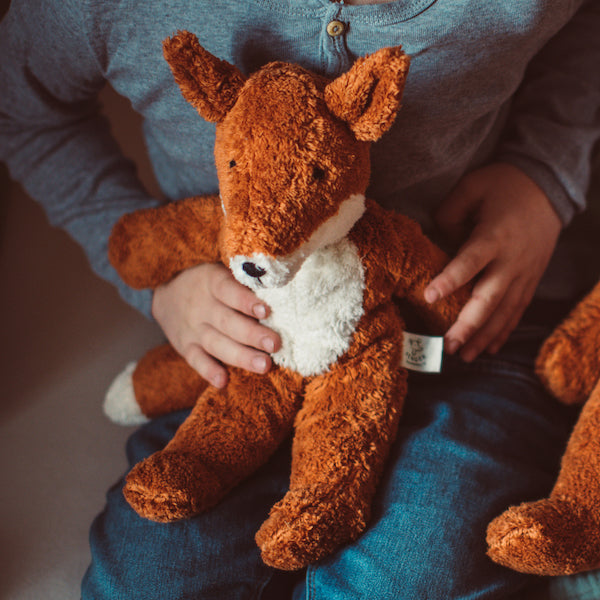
(511, 231)
(211, 319)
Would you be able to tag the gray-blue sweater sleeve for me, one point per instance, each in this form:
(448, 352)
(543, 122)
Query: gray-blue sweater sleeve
(555, 116)
(52, 135)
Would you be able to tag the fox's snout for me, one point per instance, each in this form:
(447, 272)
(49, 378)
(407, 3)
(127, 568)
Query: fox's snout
(259, 270)
(252, 270)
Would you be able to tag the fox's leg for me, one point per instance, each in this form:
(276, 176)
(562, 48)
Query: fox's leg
(343, 434)
(569, 361)
(559, 535)
(160, 383)
(228, 435)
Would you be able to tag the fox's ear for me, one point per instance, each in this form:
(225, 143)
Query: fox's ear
(368, 96)
(210, 85)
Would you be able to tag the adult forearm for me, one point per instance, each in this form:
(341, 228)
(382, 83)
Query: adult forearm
(52, 135)
(78, 174)
(555, 120)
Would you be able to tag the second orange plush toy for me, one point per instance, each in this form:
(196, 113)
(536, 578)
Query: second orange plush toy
(293, 224)
(560, 535)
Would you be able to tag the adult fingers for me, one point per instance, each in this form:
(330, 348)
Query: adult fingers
(470, 260)
(485, 299)
(499, 323)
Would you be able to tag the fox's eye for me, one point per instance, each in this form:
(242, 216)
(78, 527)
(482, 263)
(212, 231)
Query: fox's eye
(232, 164)
(318, 173)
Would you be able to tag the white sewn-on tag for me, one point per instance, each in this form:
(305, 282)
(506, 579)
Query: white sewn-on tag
(422, 352)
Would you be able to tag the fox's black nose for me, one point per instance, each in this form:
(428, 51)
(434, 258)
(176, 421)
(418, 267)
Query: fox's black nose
(252, 270)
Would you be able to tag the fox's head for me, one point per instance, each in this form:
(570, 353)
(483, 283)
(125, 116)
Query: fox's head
(292, 150)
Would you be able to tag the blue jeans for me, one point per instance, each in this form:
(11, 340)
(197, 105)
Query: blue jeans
(472, 441)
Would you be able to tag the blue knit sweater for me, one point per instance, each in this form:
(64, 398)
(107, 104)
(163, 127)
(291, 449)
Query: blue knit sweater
(512, 80)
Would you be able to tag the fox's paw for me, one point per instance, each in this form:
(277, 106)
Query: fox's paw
(547, 537)
(306, 526)
(170, 486)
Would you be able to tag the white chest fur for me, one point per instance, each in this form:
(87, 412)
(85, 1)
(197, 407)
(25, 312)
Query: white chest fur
(317, 312)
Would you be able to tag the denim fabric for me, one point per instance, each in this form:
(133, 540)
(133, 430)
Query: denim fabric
(472, 441)
(585, 586)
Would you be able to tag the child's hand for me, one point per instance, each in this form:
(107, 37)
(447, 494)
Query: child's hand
(514, 232)
(210, 317)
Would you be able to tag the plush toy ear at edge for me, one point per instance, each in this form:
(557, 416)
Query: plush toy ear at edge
(367, 97)
(209, 84)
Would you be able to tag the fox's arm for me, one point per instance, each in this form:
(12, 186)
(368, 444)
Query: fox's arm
(411, 261)
(568, 363)
(149, 247)
(420, 261)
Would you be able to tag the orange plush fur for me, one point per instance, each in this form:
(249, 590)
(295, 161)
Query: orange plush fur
(560, 535)
(292, 222)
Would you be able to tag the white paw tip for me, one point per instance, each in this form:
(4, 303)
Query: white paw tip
(120, 405)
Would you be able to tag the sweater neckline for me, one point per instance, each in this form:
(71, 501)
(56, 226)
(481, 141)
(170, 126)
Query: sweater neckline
(369, 14)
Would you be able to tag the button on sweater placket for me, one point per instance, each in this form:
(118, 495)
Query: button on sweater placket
(334, 53)
(335, 28)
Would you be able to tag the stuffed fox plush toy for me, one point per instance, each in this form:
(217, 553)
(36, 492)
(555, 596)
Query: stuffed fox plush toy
(560, 535)
(293, 224)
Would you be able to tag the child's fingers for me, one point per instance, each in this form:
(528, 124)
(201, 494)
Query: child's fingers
(205, 365)
(244, 330)
(236, 311)
(228, 351)
(211, 319)
(231, 292)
